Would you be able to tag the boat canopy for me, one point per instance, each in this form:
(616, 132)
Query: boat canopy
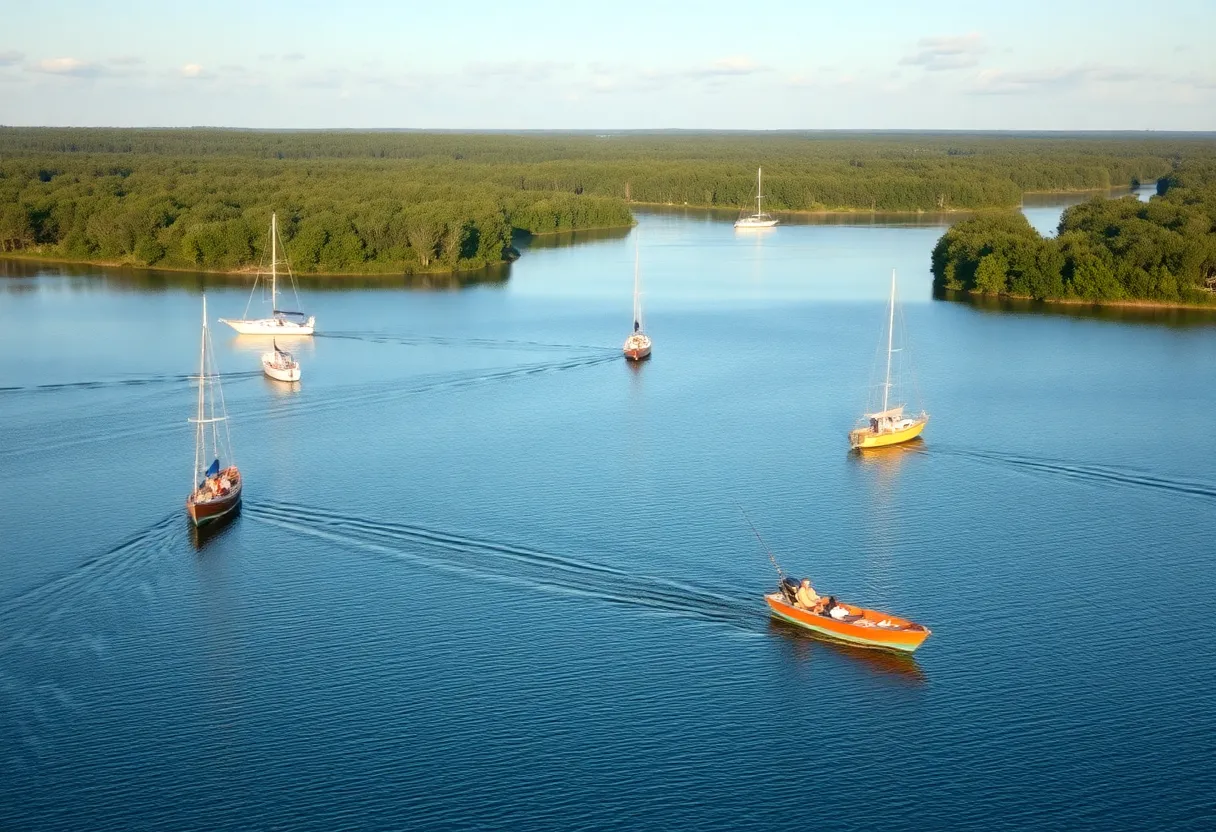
(893, 413)
(289, 313)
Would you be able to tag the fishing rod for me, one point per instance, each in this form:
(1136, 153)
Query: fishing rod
(768, 551)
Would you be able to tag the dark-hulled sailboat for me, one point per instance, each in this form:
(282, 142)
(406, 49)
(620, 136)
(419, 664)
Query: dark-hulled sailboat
(216, 491)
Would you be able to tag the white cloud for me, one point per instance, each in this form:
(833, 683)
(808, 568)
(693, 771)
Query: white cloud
(192, 70)
(1006, 82)
(734, 65)
(516, 70)
(11, 57)
(69, 67)
(946, 52)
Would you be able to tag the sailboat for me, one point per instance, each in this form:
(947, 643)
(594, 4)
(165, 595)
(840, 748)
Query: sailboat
(216, 489)
(280, 364)
(280, 322)
(758, 219)
(890, 425)
(637, 345)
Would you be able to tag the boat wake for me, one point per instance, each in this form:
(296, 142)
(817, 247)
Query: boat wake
(513, 564)
(1098, 474)
(40, 606)
(382, 391)
(436, 340)
(133, 381)
(372, 393)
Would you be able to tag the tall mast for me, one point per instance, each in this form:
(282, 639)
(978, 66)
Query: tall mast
(637, 298)
(202, 381)
(758, 192)
(886, 388)
(274, 258)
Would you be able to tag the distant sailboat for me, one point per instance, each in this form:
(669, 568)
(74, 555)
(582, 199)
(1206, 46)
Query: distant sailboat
(216, 490)
(758, 219)
(888, 426)
(637, 345)
(280, 322)
(280, 365)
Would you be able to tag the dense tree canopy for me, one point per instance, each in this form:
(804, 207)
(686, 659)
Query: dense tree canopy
(1106, 250)
(394, 202)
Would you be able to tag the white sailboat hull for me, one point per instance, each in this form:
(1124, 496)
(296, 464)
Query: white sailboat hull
(752, 222)
(278, 373)
(272, 326)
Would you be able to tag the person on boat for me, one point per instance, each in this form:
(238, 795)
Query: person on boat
(806, 594)
(824, 605)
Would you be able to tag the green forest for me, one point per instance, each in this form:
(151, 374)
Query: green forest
(401, 202)
(1163, 250)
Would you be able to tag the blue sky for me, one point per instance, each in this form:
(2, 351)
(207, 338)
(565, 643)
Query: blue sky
(765, 64)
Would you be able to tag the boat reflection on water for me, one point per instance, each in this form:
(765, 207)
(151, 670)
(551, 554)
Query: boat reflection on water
(886, 663)
(281, 389)
(888, 459)
(202, 536)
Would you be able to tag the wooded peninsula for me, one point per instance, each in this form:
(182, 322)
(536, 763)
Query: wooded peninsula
(1106, 250)
(401, 202)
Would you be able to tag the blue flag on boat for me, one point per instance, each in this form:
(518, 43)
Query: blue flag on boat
(214, 469)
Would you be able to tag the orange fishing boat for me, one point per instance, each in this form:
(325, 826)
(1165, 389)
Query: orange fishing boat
(857, 625)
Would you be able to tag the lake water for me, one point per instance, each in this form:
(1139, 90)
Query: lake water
(490, 576)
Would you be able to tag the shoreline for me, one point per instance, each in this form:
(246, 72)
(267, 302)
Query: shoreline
(254, 272)
(968, 296)
(845, 212)
(114, 264)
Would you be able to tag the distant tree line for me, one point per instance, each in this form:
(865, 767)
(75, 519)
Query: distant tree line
(1105, 250)
(403, 202)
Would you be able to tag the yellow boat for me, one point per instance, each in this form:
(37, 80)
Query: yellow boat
(889, 425)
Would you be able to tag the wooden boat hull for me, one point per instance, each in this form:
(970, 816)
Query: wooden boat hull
(864, 438)
(211, 511)
(271, 326)
(905, 637)
(637, 354)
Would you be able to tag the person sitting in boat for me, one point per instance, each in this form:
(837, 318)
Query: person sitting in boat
(806, 594)
(824, 605)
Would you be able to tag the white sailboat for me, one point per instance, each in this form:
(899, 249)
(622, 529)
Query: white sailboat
(280, 322)
(280, 365)
(637, 345)
(758, 219)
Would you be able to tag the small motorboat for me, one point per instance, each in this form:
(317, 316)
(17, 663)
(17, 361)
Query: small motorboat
(280, 365)
(856, 625)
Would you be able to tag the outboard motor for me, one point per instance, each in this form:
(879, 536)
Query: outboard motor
(789, 588)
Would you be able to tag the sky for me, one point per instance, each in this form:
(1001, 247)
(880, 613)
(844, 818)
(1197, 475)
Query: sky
(759, 65)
